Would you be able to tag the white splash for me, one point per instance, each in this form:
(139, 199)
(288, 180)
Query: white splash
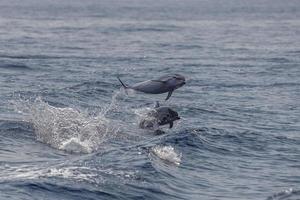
(146, 120)
(76, 173)
(167, 153)
(29, 172)
(67, 128)
(74, 145)
(20, 172)
(87, 174)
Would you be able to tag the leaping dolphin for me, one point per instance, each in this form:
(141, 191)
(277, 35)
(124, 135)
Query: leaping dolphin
(167, 83)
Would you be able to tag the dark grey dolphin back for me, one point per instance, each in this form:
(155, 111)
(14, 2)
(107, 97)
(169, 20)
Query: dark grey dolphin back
(166, 115)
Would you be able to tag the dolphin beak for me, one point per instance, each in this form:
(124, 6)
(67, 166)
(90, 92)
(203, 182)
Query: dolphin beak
(177, 118)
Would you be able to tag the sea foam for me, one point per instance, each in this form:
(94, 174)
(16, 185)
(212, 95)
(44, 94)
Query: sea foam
(167, 153)
(67, 128)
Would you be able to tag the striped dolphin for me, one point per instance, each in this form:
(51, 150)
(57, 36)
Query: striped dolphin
(164, 84)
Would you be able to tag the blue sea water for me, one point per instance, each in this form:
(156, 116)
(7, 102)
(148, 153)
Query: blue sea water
(67, 130)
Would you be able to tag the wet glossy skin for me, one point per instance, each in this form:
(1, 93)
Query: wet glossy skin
(161, 85)
(162, 116)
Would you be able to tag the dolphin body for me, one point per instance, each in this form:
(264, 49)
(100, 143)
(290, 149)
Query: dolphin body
(159, 116)
(167, 83)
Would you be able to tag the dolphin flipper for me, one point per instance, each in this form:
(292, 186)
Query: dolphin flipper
(171, 125)
(169, 95)
(156, 104)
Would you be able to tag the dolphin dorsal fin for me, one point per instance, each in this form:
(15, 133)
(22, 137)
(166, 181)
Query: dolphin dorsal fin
(156, 104)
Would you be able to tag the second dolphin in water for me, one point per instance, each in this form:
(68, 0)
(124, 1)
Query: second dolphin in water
(167, 83)
(159, 116)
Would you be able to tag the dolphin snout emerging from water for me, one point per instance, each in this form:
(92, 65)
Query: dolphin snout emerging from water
(164, 84)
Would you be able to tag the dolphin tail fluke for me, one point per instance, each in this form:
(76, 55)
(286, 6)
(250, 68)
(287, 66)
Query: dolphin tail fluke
(169, 95)
(125, 86)
(171, 125)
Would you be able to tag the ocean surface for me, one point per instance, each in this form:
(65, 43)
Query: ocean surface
(69, 131)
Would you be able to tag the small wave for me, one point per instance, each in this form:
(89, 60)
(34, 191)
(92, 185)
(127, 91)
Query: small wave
(24, 172)
(9, 125)
(294, 52)
(40, 57)
(86, 173)
(288, 194)
(250, 86)
(91, 88)
(15, 66)
(76, 173)
(188, 46)
(167, 153)
(89, 84)
(278, 60)
(23, 57)
(157, 28)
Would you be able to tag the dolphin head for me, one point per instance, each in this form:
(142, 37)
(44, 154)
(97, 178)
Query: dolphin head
(176, 81)
(166, 115)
